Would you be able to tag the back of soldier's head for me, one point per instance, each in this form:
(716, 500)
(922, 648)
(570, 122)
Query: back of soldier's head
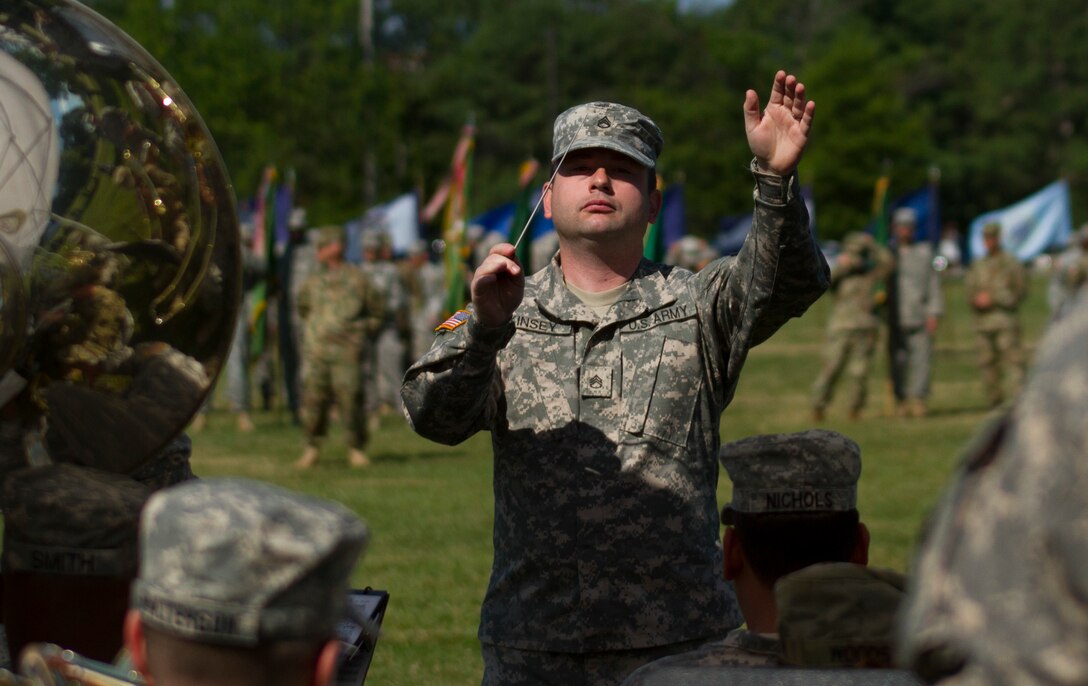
(69, 551)
(241, 582)
(794, 499)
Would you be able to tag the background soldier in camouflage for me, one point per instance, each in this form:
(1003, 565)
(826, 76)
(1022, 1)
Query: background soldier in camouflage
(424, 282)
(1001, 576)
(995, 287)
(916, 307)
(1071, 273)
(341, 311)
(602, 380)
(240, 583)
(387, 355)
(857, 281)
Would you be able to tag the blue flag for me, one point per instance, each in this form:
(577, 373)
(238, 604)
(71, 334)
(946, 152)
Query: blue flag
(1030, 227)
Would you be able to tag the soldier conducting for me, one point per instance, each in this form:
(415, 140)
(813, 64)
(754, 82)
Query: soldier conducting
(602, 379)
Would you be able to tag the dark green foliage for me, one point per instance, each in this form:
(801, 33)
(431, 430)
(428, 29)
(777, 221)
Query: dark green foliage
(991, 92)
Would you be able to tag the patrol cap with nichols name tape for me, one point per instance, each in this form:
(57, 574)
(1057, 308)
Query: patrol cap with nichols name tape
(810, 471)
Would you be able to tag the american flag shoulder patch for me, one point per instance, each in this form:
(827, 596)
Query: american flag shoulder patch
(459, 317)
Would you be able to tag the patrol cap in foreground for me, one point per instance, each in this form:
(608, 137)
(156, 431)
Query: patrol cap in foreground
(608, 125)
(239, 562)
(810, 471)
(68, 519)
(991, 230)
(839, 614)
(327, 235)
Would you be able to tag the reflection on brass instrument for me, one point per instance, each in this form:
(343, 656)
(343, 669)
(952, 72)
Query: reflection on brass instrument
(119, 250)
(44, 664)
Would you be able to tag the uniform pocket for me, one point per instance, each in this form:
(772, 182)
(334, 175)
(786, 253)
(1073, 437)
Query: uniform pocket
(662, 378)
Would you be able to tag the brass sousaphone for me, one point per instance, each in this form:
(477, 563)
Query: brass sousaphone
(119, 248)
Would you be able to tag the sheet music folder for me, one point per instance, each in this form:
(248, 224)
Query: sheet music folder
(359, 634)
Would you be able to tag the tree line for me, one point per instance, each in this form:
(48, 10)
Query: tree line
(365, 99)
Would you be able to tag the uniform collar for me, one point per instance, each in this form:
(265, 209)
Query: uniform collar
(649, 290)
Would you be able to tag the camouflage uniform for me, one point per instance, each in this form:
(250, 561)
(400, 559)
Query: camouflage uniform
(605, 429)
(240, 563)
(998, 327)
(917, 297)
(1071, 273)
(1001, 574)
(340, 309)
(839, 614)
(424, 284)
(857, 282)
(740, 648)
(387, 355)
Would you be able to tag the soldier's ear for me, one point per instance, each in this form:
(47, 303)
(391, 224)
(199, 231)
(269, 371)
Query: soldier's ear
(327, 660)
(860, 555)
(133, 631)
(733, 560)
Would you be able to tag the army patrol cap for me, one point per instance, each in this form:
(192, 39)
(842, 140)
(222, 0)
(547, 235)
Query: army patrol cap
(857, 241)
(810, 471)
(327, 235)
(991, 230)
(240, 562)
(374, 240)
(608, 125)
(905, 215)
(839, 614)
(68, 519)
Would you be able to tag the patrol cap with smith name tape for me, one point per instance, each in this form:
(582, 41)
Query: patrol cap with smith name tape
(240, 562)
(839, 614)
(810, 471)
(608, 125)
(69, 519)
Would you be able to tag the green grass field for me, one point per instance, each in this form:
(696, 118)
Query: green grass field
(429, 507)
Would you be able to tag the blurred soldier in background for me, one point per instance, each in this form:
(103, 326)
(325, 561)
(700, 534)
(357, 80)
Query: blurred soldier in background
(996, 286)
(998, 595)
(915, 310)
(388, 352)
(857, 283)
(424, 282)
(341, 311)
(241, 583)
(690, 252)
(1070, 273)
(795, 505)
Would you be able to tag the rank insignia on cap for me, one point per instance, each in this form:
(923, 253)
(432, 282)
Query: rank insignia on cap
(459, 317)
